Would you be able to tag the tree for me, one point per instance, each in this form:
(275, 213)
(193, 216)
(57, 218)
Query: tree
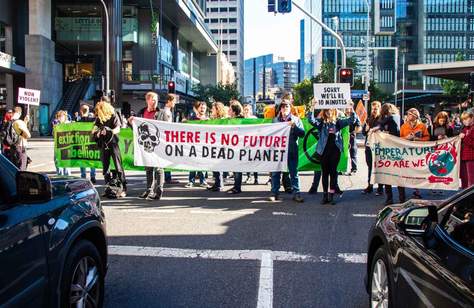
(220, 92)
(457, 89)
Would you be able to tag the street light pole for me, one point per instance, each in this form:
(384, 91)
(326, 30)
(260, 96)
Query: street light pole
(403, 84)
(107, 50)
(367, 44)
(325, 27)
(335, 19)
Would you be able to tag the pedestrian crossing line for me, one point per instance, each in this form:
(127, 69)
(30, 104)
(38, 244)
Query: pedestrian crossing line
(222, 212)
(255, 255)
(265, 283)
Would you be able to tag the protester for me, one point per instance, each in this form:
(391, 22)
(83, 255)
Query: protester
(297, 131)
(3, 130)
(17, 134)
(467, 150)
(441, 128)
(60, 118)
(354, 128)
(155, 177)
(371, 122)
(456, 125)
(236, 112)
(330, 146)
(317, 173)
(390, 123)
(217, 112)
(86, 116)
(200, 114)
(248, 114)
(106, 130)
(414, 130)
(167, 115)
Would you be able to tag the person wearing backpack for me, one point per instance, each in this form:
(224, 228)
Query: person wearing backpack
(16, 136)
(6, 120)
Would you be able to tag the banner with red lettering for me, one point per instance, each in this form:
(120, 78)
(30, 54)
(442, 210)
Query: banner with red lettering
(425, 165)
(237, 148)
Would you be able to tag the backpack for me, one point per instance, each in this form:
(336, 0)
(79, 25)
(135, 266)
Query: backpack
(10, 136)
(114, 189)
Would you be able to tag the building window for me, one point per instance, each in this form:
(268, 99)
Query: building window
(2, 38)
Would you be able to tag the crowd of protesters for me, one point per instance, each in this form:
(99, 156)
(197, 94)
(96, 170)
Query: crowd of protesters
(329, 124)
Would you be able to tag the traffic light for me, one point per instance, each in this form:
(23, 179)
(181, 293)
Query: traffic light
(346, 75)
(171, 87)
(284, 6)
(271, 6)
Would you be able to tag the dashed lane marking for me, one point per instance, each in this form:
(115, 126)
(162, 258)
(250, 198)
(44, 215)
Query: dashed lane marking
(365, 215)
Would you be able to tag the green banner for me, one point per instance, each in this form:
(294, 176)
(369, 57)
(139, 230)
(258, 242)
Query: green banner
(73, 145)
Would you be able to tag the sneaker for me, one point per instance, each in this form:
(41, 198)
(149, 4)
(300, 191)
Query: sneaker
(298, 198)
(153, 196)
(122, 194)
(93, 180)
(247, 180)
(368, 190)
(189, 185)
(274, 198)
(233, 191)
(255, 182)
(313, 190)
(144, 194)
(214, 188)
(204, 184)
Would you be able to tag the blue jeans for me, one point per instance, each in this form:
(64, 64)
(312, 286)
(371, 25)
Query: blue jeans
(84, 172)
(295, 180)
(167, 176)
(219, 179)
(192, 177)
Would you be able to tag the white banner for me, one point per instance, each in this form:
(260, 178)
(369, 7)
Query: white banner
(425, 165)
(28, 96)
(332, 95)
(237, 148)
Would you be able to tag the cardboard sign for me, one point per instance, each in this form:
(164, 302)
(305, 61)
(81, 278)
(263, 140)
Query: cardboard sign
(28, 96)
(332, 95)
(361, 112)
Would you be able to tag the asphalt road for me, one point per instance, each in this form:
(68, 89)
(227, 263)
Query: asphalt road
(196, 248)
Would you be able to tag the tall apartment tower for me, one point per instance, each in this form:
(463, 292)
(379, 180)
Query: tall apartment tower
(225, 19)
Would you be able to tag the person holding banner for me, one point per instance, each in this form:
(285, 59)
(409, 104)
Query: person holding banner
(329, 146)
(154, 176)
(372, 122)
(106, 129)
(60, 118)
(414, 130)
(390, 123)
(200, 114)
(467, 150)
(354, 128)
(86, 116)
(217, 112)
(248, 114)
(297, 131)
(236, 112)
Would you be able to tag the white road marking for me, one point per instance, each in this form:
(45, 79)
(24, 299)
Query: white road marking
(147, 211)
(256, 255)
(222, 212)
(365, 215)
(265, 283)
(40, 165)
(283, 214)
(266, 201)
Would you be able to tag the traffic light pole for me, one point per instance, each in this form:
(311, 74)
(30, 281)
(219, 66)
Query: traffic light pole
(337, 36)
(107, 50)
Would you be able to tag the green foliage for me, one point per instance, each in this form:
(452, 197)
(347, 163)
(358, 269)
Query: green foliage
(454, 88)
(213, 93)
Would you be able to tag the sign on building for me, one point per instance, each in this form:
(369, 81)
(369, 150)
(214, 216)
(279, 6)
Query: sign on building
(332, 95)
(28, 96)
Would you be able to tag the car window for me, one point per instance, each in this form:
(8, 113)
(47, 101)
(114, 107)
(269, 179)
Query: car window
(459, 222)
(8, 173)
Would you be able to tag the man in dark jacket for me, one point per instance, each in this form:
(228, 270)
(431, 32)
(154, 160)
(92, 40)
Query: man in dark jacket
(297, 131)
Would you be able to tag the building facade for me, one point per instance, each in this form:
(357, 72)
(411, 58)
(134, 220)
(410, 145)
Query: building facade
(225, 19)
(63, 40)
(402, 32)
(267, 76)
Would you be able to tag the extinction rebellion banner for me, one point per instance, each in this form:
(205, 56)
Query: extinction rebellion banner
(259, 148)
(74, 147)
(427, 165)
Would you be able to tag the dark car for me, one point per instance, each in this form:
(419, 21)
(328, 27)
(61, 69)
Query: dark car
(421, 254)
(53, 250)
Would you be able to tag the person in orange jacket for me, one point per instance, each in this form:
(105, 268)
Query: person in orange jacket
(414, 130)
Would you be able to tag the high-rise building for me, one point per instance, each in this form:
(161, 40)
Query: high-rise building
(264, 77)
(402, 32)
(225, 19)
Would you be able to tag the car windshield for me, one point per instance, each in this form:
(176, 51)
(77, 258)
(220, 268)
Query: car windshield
(8, 174)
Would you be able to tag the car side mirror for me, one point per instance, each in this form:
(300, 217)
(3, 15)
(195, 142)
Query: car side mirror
(418, 221)
(33, 187)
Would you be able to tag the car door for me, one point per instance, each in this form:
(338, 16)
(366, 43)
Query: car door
(438, 271)
(23, 263)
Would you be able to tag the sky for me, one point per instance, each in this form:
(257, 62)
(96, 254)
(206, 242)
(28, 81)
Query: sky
(266, 33)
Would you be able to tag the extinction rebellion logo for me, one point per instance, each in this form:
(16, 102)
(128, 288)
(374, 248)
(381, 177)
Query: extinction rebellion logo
(441, 161)
(148, 137)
